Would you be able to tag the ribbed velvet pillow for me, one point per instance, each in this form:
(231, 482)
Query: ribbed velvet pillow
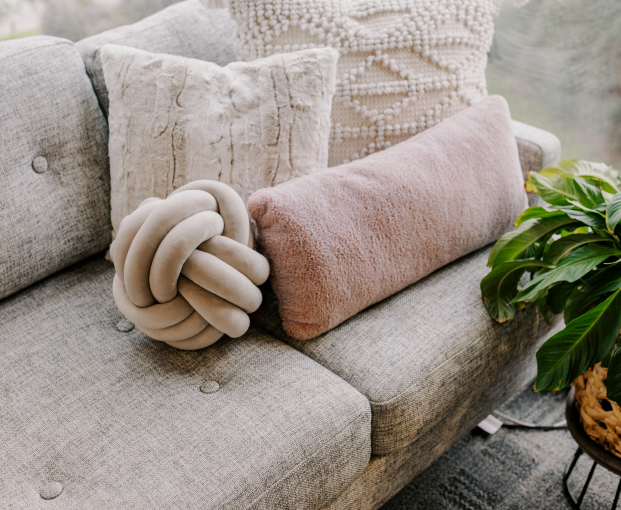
(345, 238)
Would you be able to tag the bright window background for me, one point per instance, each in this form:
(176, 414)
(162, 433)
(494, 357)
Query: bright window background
(72, 19)
(558, 62)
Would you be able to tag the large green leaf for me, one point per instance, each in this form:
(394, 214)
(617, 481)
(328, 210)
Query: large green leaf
(564, 246)
(535, 250)
(574, 266)
(589, 196)
(608, 280)
(557, 190)
(579, 302)
(512, 244)
(499, 287)
(606, 175)
(606, 360)
(561, 189)
(536, 212)
(591, 291)
(604, 233)
(613, 212)
(613, 379)
(574, 230)
(584, 342)
(542, 302)
(558, 295)
(590, 218)
(600, 208)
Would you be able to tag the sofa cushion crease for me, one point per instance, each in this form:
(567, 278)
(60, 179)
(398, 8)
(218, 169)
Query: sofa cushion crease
(386, 475)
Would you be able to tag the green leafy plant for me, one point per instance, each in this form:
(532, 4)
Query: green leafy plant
(566, 256)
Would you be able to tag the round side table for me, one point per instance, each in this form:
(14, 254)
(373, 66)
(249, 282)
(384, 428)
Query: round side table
(597, 453)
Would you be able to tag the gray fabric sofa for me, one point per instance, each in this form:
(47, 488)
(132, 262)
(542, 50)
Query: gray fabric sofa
(93, 414)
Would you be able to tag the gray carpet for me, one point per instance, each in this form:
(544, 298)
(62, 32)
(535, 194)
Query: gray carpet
(513, 469)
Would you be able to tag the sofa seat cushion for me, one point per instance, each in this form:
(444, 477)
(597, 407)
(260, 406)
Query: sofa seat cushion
(110, 419)
(186, 29)
(422, 354)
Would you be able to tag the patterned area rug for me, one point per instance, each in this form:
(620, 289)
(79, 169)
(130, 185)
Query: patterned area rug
(514, 469)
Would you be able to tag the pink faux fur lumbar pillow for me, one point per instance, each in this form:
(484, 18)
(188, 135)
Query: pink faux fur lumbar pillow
(345, 238)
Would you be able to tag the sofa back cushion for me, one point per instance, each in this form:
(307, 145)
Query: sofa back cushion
(54, 176)
(186, 29)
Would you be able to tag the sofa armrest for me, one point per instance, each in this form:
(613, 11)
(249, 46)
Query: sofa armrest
(537, 148)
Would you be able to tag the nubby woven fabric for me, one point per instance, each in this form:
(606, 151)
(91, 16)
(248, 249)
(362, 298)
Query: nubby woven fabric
(404, 65)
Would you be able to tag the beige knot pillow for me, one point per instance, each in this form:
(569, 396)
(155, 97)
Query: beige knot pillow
(186, 272)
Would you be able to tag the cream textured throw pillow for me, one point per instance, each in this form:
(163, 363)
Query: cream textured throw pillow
(174, 120)
(404, 65)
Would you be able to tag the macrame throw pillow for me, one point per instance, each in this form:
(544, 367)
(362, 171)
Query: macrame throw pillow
(174, 120)
(404, 65)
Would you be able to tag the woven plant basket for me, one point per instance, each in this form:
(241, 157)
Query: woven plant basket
(600, 417)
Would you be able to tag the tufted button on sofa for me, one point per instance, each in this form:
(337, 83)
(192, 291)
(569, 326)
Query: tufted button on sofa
(95, 414)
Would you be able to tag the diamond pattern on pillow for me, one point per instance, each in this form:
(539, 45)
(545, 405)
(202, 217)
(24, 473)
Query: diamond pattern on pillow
(405, 65)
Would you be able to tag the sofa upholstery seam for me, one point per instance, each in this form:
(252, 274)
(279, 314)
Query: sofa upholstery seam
(271, 334)
(308, 459)
(375, 403)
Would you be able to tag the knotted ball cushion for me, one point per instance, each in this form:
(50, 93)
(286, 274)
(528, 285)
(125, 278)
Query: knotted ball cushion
(343, 239)
(186, 272)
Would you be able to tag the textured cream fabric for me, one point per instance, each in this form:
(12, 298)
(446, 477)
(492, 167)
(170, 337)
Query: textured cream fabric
(174, 120)
(405, 65)
(186, 29)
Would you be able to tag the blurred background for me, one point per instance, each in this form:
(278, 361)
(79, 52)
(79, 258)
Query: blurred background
(558, 62)
(71, 19)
